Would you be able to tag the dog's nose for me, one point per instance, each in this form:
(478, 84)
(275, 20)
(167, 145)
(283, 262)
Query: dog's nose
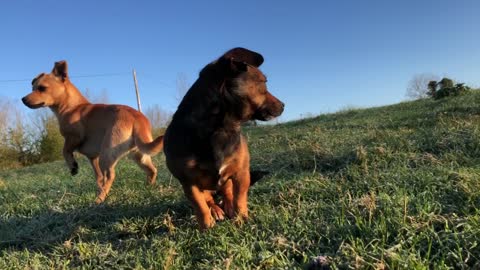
(24, 100)
(283, 104)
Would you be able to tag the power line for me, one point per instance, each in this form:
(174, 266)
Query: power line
(78, 76)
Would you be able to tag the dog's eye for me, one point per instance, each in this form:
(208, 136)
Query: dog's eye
(41, 88)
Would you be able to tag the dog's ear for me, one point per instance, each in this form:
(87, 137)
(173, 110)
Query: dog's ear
(237, 66)
(60, 70)
(229, 66)
(244, 55)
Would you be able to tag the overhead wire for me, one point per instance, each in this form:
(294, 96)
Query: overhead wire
(76, 76)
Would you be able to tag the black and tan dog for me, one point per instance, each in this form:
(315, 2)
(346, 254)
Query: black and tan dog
(103, 133)
(204, 146)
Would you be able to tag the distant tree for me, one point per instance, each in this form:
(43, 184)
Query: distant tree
(448, 88)
(445, 83)
(50, 141)
(159, 118)
(5, 110)
(418, 86)
(17, 141)
(182, 86)
(102, 97)
(26, 142)
(8, 155)
(432, 88)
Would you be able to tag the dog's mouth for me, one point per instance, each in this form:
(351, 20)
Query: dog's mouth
(34, 106)
(263, 116)
(39, 105)
(267, 114)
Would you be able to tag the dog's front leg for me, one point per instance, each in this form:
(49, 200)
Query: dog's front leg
(241, 183)
(199, 202)
(68, 149)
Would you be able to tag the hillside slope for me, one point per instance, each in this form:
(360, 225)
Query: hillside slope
(395, 186)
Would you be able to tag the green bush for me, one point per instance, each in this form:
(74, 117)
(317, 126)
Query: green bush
(51, 141)
(456, 90)
(432, 88)
(9, 158)
(445, 83)
(18, 148)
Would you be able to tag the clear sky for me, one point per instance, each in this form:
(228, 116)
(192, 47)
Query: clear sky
(320, 56)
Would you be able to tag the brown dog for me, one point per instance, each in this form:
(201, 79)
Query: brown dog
(103, 133)
(204, 147)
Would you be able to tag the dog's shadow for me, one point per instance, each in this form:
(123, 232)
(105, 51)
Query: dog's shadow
(100, 223)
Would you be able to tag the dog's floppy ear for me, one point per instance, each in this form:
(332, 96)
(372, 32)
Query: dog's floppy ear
(244, 55)
(237, 66)
(230, 67)
(60, 70)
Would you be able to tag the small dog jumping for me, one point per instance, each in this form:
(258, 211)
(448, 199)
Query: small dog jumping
(103, 133)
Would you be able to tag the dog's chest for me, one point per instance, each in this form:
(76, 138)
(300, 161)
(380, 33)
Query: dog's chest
(224, 145)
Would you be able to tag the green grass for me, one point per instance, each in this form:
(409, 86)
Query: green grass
(388, 187)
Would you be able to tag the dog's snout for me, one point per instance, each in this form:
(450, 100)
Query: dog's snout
(282, 107)
(24, 100)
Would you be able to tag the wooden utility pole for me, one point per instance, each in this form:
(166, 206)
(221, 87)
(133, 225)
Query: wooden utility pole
(136, 91)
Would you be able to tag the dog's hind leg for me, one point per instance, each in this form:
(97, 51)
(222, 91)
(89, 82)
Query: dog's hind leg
(107, 162)
(108, 171)
(145, 162)
(98, 174)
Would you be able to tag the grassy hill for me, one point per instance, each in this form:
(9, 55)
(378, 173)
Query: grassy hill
(388, 187)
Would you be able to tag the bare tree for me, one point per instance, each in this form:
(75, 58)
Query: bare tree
(102, 97)
(5, 110)
(39, 118)
(418, 86)
(159, 118)
(16, 144)
(11, 123)
(182, 85)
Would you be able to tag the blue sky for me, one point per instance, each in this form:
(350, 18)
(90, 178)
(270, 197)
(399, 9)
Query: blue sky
(320, 56)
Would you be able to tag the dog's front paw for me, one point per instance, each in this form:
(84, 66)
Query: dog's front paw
(217, 212)
(241, 218)
(74, 169)
(207, 224)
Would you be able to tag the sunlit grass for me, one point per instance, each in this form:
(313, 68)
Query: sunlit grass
(388, 187)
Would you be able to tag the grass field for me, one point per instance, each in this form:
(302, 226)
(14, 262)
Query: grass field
(394, 187)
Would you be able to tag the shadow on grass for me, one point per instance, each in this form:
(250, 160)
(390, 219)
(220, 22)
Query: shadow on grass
(102, 223)
(307, 160)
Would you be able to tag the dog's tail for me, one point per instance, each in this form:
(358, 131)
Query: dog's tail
(143, 138)
(255, 176)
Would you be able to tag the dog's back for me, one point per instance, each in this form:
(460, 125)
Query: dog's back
(103, 126)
